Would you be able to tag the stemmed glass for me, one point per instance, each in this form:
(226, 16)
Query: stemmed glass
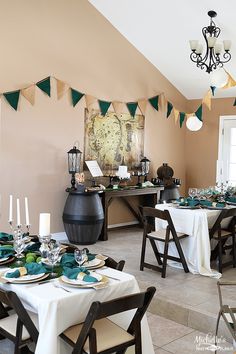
(80, 256)
(52, 256)
(192, 192)
(19, 246)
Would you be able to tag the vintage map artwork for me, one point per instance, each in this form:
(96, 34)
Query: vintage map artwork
(111, 138)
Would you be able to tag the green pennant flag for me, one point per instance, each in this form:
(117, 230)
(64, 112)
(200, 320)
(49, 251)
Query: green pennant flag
(154, 102)
(169, 109)
(104, 106)
(213, 88)
(45, 86)
(75, 96)
(181, 118)
(234, 102)
(198, 113)
(12, 98)
(132, 106)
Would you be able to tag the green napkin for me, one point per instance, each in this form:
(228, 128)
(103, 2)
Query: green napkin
(5, 237)
(206, 202)
(192, 202)
(220, 205)
(6, 251)
(68, 260)
(34, 247)
(73, 273)
(91, 256)
(231, 199)
(32, 269)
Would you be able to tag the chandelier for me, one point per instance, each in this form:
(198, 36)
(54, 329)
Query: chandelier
(213, 57)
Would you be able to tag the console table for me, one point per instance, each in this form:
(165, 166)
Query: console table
(151, 196)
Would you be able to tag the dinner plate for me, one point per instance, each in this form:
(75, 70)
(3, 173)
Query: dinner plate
(25, 278)
(83, 284)
(214, 208)
(7, 260)
(27, 239)
(188, 207)
(94, 264)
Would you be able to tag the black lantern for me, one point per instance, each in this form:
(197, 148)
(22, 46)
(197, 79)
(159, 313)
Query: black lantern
(74, 157)
(145, 164)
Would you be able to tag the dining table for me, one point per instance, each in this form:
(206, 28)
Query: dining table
(60, 306)
(195, 222)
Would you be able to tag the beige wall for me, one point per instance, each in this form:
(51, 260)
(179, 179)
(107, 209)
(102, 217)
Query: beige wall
(202, 146)
(77, 45)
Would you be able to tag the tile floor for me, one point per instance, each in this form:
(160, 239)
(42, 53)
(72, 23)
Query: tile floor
(184, 307)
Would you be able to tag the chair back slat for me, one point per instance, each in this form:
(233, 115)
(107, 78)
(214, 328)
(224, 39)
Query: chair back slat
(100, 310)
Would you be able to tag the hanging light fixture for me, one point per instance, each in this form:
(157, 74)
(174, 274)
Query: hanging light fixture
(212, 58)
(193, 123)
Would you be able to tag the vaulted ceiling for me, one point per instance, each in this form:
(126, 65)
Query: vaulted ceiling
(161, 30)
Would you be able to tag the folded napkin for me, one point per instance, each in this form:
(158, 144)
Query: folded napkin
(205, 202)
(6, 251)
(33, 247)
(80, 273)
(5, 237)
(231, 199)
(29, 268)
(68, 260)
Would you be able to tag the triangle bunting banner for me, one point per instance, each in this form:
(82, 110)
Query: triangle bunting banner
(213, 88)
(45, 86)
(207, 99)
(176, 114)
(132, 106)
(104, 106)
(75, 96)
(142, 104)
(169, 109)
(12, 98)
(154, 102)
(230, 83)
(118, 107)
(29, 94)
(62, 87)
(181, 118)
(89, 100)
(198, 113)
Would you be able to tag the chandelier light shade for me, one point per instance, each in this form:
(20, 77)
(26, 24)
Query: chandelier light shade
(193, 123)
(216, 53)
(74, 158)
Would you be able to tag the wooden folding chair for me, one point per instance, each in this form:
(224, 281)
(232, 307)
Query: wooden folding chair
(98, 334)
(164, 235)
(19, 327)
(110, 262)
(222, 234)
(226, 312)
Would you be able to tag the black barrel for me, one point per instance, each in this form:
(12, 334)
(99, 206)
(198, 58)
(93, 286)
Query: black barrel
(83, 217)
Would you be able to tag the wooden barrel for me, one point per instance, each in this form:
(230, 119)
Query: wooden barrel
(83, 217)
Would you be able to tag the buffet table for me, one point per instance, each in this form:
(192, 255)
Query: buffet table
(196, 247)
(151, 196)
(58, 309)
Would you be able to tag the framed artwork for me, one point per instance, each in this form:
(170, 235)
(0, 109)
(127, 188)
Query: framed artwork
(113, 138)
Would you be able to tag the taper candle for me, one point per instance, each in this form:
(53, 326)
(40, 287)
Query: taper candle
(10, 209)
(26, 212)
(18, 212)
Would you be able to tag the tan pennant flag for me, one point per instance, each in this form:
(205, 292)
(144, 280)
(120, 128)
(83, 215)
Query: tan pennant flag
(89, 100)
(142, 104)
(176, 114)
(230, 83)
(62, 87)
(118, 107)
(207, 99)
(29, 94)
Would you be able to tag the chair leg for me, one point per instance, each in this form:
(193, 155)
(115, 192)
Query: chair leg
(155, 250)
(165, 254)
(220, 256)
(181, 255)
(234, 251)
(143, 251)
(217, 327)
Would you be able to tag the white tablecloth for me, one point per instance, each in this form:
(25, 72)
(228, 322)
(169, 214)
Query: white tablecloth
(196, 247)
(57, 309)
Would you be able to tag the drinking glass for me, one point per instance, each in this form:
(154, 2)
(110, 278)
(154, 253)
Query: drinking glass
(44, 248)
(80, 256)
(53, 255)
(19, 246)
(192, 192)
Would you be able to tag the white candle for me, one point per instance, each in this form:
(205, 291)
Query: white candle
(44, 224)
(10, 209)
(26, 212)
(18, 212)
